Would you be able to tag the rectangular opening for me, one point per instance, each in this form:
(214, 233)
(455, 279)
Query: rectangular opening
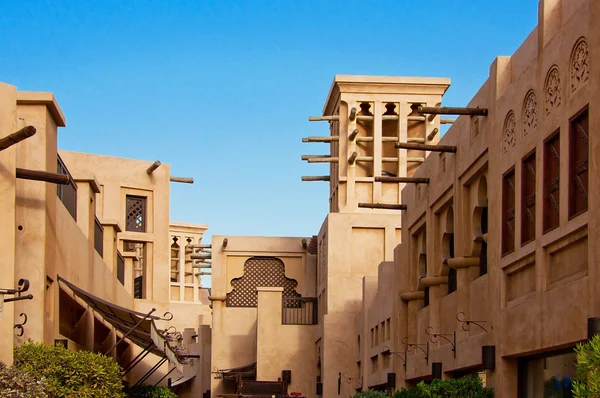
(528, 199)
(551, 182)
(67, 193)
(98, 237)
(135, 214)
(508, 212)
(139, 267)
(120, 268)
(578, 163)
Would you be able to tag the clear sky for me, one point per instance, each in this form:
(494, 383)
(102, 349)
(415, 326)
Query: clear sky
(222, 90)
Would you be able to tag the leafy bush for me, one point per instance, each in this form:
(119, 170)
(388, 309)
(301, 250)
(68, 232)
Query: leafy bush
(70, 373)
(147, 391)
(17, 384)
(371, 394)
(465, 387)
(587, 370)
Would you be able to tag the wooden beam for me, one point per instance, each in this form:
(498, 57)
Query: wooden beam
(407, 180)
(435, 110)
(447, 121)
(426, 147)
(390, 139)
(323, 118)
(433, 133)
(185, 180)
(316, 178)
(352, 115)
(322, 160)
(36, 175)
(306, 157)
(200, 256)
(19, 136)
(353, 135)
(153, 167)
(352, 157)
(201, 246)
(381, 206)
(415, 160)
(321, 139)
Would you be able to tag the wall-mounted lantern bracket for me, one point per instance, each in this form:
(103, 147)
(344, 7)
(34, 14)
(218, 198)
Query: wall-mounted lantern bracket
(466, 324)
(419, 346)
(386, 350)
(435, 337)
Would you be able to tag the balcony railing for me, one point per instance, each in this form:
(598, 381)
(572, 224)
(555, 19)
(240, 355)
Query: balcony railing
(299, 311)
(98, 237)
(67, 193)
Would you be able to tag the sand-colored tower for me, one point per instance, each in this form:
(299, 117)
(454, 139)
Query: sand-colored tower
(367, 117)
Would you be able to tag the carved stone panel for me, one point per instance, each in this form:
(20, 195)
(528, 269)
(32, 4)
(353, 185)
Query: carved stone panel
(529, 112)
(552, 89)
(509, 138)
(580, 68)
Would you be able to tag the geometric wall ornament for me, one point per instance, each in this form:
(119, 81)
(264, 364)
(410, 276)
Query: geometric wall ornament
(509, 138)
(260, 272)
(580, 68)
(529, 113)
(552, 89)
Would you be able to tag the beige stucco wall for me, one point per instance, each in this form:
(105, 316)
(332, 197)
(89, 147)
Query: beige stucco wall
(8, 125)
(523, 310)
(235, 339)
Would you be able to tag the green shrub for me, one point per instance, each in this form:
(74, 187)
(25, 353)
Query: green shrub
(70, 373)
(147, 391)
(465, 387)
(587, 370)
(371, 394)
(17, 384)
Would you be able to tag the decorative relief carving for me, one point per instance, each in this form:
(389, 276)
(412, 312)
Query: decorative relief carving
(509, 138)
(529, 112)
(552, 89)
(580, 68)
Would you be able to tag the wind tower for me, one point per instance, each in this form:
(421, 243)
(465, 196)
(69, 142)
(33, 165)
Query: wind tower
(380, 131)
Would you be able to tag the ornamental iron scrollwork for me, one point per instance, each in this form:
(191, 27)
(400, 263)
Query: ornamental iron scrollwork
(435, 337)
(19, 326)
(411, 346)
(386, 350)
(466, 324)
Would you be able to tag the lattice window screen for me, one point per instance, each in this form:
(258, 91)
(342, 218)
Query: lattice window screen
(135, 213)
(260, 272)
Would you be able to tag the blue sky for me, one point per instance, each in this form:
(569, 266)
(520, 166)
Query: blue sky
(222, 90)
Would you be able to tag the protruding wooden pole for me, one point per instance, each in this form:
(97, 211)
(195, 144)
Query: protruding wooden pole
(415, 160)
(316, 178)
(452, 111)
(433, 133)
(382, 206)
(352, 157)
(200, 256)
(201, 246)
(306, 157)
(225, 241)
(36, 175)
(19, 136)
(353, 135)
(153, 167)
(202, 265)
(321, 139)
(425, 147)
(185, 180)
(322, 160)
(447, 121)
(352, 115)
(407, 180)
(323, 118)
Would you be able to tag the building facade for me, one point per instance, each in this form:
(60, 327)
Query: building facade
(87, 236)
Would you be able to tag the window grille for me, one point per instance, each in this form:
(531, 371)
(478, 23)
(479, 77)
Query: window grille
(135, 216)
(578, 167)
(508, 212)
(552, 182)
